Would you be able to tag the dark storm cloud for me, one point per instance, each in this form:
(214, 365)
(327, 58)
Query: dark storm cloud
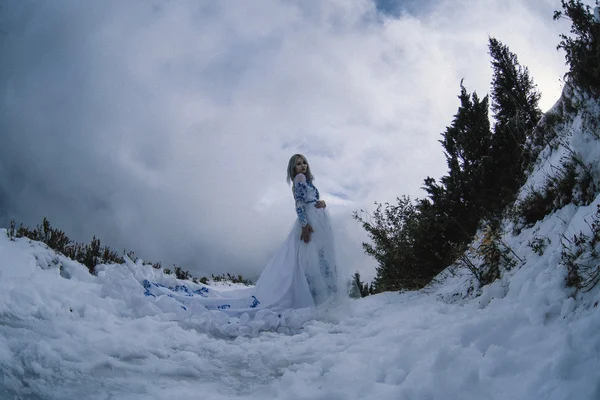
(396, 8)
(165, 127)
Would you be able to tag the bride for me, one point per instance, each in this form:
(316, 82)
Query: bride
(301, 274)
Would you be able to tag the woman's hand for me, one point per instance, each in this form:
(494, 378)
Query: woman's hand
(321, 204)
(306, 231)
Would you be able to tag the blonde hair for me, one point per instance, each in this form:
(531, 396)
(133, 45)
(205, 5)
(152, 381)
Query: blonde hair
(291, 169)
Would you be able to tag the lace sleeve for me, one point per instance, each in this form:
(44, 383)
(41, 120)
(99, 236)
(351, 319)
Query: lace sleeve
(300, 191)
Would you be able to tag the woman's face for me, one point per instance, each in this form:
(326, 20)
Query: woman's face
(301, 165)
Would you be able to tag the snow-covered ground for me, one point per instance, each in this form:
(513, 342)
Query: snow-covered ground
(70, 335)
(66, 334)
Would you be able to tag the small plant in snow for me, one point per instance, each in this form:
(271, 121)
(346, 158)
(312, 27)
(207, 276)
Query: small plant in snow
(487, 260)
(88, 254)
(497, 254)
(231, 278)
(580, 257)
(11, 232)
(573, 182)
(203, 280)
(181, 273)
(539, 244)
(534, 207)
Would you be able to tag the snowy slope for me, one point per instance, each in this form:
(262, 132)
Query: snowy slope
(67, 339)
(68, 335)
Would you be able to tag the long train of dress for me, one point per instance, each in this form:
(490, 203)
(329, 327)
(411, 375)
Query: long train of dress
(298, 279)
(299, 275)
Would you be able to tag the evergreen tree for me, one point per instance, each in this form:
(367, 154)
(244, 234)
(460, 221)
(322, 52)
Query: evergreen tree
(413, 241)
(452, 212)
(514, 94)
(392, 230)
(355, 286)
(466, 145)
(362, 289)
(516, 113)
(583, 49)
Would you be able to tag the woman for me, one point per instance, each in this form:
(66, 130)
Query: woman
(316, 259)
(301, 274)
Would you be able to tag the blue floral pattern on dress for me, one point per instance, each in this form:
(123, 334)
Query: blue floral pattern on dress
(301, 196)
(300, 191)
(311, 287)
(327, 273)
(201, 291)
(181, 292)
(177, 288)
(147, 286)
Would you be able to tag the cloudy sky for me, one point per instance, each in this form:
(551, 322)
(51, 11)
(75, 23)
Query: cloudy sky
(165, 127)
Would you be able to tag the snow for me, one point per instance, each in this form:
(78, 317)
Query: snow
(66, 334)
(99, 337)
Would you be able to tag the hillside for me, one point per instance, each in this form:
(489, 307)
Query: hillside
(66, 334)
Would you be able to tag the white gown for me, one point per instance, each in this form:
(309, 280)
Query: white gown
(299, 276)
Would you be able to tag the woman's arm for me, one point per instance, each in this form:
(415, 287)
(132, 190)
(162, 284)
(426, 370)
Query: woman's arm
(300, 192)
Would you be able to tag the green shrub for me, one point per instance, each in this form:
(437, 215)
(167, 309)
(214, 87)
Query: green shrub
(404, 244)
(11, 231)
(494, 256)
(90, 254)
(573, 182)
(534, 207)
(203, 280)
(227, 277)
(580, 257)
(539, 244)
